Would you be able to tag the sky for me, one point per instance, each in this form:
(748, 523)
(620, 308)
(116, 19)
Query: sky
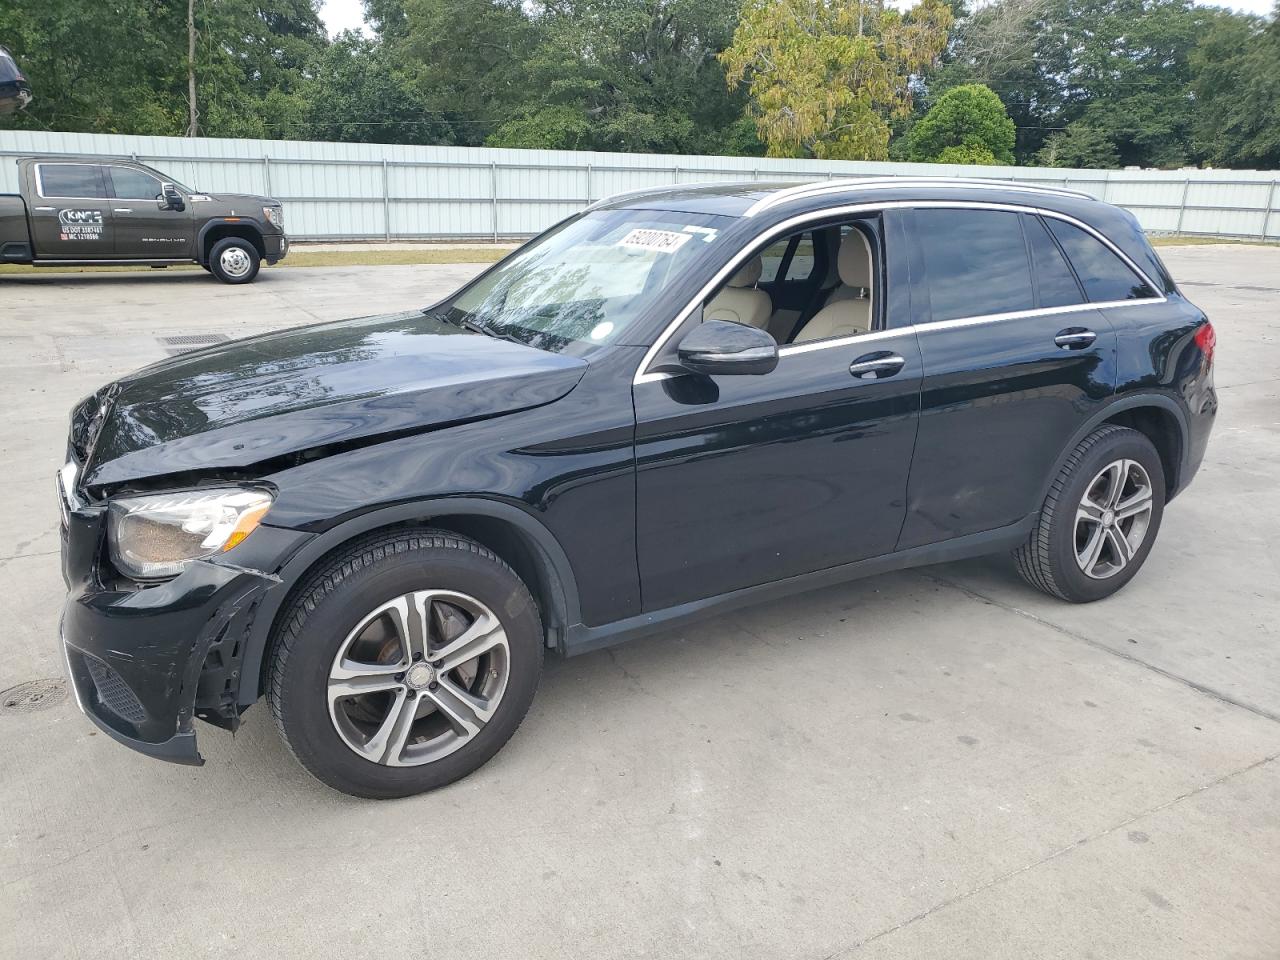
(339, 15)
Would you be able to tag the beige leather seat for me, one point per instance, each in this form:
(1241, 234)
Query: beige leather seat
(740, 301)
(848, 309)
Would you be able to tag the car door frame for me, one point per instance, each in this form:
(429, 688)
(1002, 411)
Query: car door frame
(895, 302)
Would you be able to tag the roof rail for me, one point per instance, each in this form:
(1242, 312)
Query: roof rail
(890, 181)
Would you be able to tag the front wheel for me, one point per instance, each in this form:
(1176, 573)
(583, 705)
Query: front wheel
(234, 260)
(405, 663)
(1100, 519)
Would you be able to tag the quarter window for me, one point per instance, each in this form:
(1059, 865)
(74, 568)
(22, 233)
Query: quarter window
(134, 184)
(77, 181)
(1105, 276)
(1054, 280)
(976, 262)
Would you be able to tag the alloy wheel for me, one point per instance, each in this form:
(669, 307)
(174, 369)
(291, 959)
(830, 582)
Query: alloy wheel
(418, 677)
(1112, 519)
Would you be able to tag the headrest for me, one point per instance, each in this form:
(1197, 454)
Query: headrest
(748, 274)
(854, 260)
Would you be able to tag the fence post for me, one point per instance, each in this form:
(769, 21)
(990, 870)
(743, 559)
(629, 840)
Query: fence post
(386, 202)
(1106, 182)
(1182, 204)
(266, 173)
(1271, 205)
(588, 184)
(493, 189)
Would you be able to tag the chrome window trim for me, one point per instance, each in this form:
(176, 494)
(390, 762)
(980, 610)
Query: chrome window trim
(643, 375)
(819, 187)
(66, 163)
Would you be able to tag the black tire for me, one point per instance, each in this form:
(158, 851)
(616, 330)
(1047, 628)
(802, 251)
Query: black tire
(1047, 560)
(329, 605)
(231, 245)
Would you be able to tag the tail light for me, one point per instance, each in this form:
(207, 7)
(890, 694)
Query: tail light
(1206, 340)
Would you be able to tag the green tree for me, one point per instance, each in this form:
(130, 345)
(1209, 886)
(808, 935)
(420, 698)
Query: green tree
(967, 122)
(827, 77)
(1237, 90)
(1079, 145)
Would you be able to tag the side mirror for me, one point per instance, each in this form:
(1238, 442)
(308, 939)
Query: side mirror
(170, 198)
(719, 347)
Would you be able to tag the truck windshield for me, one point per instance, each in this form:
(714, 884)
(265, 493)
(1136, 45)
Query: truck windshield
(579, 286)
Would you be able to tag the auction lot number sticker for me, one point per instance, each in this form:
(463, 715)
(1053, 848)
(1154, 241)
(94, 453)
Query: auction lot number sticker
(660, 241)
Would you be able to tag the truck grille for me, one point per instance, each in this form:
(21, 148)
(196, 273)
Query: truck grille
(114, 693)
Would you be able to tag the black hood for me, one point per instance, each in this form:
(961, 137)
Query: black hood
(242, 403)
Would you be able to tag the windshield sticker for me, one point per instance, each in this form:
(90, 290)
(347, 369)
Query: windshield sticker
(708, 233)
(662, 241)
(80, 224)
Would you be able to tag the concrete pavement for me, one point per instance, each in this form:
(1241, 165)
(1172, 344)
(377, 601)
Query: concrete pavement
(937, 763)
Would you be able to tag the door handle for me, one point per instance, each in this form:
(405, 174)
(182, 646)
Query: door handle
(1075, 338)
(45, 209)
(122, 209)
(876, 366)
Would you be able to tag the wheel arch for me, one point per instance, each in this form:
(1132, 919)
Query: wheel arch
(216, 230)
(510, 532)
(1159, 417)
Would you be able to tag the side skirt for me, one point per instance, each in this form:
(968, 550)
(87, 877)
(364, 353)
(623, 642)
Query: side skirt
(581, 638)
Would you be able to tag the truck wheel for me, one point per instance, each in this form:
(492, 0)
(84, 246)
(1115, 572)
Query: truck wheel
(1100, 519)
(404, 663)
(233, 260)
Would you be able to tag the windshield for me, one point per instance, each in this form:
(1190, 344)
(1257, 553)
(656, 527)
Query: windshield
(581, 285)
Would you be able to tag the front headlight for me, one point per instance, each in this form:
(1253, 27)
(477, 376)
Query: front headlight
(275, 216)
(155, 536)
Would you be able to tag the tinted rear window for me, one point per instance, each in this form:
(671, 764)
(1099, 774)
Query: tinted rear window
(976, 262)
(1105, 276)
(1054, 279)
(70, 180)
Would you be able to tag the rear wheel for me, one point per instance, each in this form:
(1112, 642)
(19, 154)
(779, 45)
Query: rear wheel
(405, 664)
(234, 260)
(1099, 520)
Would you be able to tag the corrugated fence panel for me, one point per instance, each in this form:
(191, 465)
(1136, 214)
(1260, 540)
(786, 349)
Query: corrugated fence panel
(388, 191)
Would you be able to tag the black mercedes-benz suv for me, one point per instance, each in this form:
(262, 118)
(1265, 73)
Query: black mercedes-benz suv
(675, 402)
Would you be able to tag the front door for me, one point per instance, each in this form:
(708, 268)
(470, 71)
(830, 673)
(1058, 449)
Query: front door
(743, 480)
(71, 213)
(144, 225)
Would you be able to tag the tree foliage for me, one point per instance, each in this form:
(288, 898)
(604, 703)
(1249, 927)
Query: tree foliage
(968, 122)
(827, 77)
(1084, 82)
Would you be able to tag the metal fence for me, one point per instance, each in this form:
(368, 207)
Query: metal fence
(337, 191)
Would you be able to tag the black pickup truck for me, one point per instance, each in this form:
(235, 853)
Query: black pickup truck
(90, 211)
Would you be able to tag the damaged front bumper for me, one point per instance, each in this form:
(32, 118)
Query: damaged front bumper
(145, 661)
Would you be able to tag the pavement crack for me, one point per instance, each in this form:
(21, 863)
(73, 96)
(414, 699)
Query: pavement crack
(1099, 645)
(1054, 855)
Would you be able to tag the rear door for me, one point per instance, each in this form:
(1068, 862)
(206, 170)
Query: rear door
(144, 226)
(1015, 361)
(71, 212)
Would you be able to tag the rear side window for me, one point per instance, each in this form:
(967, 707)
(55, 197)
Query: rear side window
(74, 180)
(976, 262)
(1054, 280)
(134, 184)
(1105, 276)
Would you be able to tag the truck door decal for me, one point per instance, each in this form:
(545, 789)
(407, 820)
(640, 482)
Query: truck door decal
(80, 224)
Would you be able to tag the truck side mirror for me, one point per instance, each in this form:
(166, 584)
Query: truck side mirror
(170, 198)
